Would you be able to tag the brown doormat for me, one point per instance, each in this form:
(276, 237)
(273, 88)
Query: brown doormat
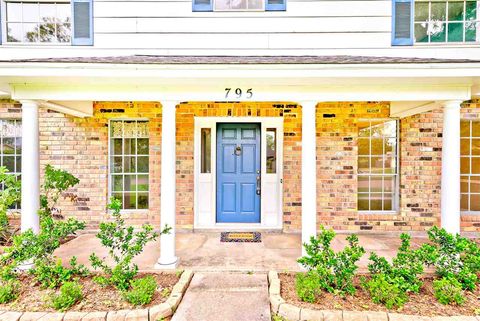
(253, 237)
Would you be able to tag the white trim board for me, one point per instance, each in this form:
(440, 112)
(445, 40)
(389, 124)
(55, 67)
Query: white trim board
(271, 212)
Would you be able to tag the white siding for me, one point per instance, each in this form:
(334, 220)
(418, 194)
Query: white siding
(308, 27)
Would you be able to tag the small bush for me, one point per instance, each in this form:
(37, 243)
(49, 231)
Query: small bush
(335, 270)
(70, 293)
(307, 286)
(384, 292)
(448, 291)
(54, 275)
(9, 291)
(141, 291)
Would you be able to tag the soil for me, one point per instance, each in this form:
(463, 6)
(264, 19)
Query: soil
(95, 297)
(423, 303)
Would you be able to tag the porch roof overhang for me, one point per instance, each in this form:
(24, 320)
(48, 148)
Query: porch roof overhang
(411, 84)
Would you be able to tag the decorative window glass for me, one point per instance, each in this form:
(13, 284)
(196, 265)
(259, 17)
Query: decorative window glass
(236, 5)
(470, 165)
(129, 163)
(206, 150)
(271, 150)
(38, 22)
(446, 21)
(377, 165)
(11, 147)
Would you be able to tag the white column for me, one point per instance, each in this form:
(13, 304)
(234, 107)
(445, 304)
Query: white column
(309, 173)
(167, 259)
(450, 201)
(30, 167)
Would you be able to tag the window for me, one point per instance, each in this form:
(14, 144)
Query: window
(446, 21)
(38, 22)
(206, 147)
(470, 165)
(224, 5)
(239, 5)
(377, 165)
(271, 150)
(129, 163)
(11, 147)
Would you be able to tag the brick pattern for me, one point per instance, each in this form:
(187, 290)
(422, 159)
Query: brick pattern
(291, 114)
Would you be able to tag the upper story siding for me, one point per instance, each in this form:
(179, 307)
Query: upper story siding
(307, 27)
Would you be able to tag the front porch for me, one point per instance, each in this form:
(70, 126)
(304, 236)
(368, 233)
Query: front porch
(205, 252)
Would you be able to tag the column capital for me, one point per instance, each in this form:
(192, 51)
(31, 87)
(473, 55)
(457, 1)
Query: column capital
(29, 102)
(451, 103)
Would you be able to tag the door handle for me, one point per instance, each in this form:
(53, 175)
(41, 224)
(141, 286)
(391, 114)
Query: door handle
(259, 184)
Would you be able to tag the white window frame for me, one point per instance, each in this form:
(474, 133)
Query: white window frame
(110, 179)
(446, 42)
(239, 10)
(15, 155)
(3, 15)
(396, 193)
(470, 157)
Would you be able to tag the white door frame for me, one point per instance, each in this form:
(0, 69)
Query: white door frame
(271, 201)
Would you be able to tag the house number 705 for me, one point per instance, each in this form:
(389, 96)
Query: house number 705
(238, 93)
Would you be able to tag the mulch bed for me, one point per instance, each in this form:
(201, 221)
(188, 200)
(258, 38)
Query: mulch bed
(95, 297)
(423, 303)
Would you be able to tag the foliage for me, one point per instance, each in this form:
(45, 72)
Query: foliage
(38, 248)
(124, 243)
(405, 268)
(307, 286)
(53, 275)
(453, 256)
(70, 293)
(141, 291)
(335, 270)
(448, 290)
(9, 291)
(9, 195)
(383, 291)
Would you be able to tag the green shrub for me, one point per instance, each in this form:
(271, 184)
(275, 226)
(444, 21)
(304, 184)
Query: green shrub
(123, 245)
(54, 275)
(70, 293)
(141, 291)
(9, 291)
(31, 247)
(453, 256)
(307, 286)
(385, 292)
(9, 196)
(335, 270)
(448, 291)
(405, 269)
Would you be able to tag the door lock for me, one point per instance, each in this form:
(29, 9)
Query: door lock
(259, 189)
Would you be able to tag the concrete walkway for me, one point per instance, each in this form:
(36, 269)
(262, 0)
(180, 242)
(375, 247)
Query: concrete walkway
(218, 296)
(205, 252)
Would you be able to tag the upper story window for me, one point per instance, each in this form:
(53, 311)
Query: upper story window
(239, 5)
(60, 22)
(470, 165)
(446, 21)
(377, 165)
(38, 22)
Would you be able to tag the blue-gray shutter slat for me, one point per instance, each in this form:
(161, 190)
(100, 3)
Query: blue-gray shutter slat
(402, 22)
(202, 5)
(276, 5)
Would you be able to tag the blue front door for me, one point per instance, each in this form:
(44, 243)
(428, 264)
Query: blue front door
(238, 173)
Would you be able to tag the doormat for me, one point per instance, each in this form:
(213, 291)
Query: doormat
(252, 237)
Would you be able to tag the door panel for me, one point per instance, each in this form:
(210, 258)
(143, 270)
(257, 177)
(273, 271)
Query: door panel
(238, 166)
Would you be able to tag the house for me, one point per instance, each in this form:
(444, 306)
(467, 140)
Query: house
(361, 115)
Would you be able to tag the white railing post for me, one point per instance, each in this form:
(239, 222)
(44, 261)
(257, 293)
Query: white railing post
(450, 201)
(168, 259)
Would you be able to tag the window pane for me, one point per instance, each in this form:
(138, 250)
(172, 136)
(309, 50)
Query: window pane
(421, 11)
(363, 204)
(471, 31)
(129, 183)
(117, 183)
(476, 165)
(464, 202)
(376, 146)
(464, 128)
(14, 11)
(271, 150)
(31, 12)
(363, 146)
(117, 146)
(142, 164)
(421, 32)
(64, 32)
(130, 201)
(475, 128)
(130, 164)
(142, 183)
(439, 10)
(465, 165)
(14, 32)
(30, 32)
(376, 184)
(9, 163)
(255, 4)
(47, 12)
(363, 165)
(129, 146)
(475, 184)
(455, 32)
(142, 201)
(376, 164)
(455, 11)
(465, 146)
(63, 12)
(475, 202)
(388, 184)
(206, 141)
(475, 146)
(387, 202)
(439, 33)
(47, 31)
(464, 184)
(117, 165)
(363, 184)
(142, 146)
(376, 202)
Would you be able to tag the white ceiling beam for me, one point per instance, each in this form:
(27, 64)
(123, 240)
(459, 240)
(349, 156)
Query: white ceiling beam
(65, 110)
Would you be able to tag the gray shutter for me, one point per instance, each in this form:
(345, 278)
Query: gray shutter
(402, 24)
(82, 13)
(275, 5)
(202, 5)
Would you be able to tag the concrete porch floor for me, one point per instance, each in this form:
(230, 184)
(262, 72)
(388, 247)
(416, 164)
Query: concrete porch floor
(205, 252)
